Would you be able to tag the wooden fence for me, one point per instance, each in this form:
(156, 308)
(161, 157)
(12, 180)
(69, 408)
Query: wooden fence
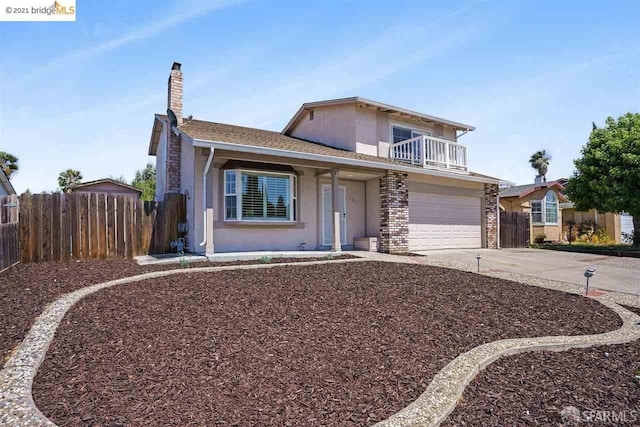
(9, 237)
(57, 227)
(514, 229)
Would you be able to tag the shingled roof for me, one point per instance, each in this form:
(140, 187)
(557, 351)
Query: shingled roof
(220, 132)
(523, 190)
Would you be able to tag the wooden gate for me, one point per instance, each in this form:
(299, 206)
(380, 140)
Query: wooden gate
(515, 229)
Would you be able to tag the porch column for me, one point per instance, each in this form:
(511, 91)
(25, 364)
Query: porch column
(336, 246)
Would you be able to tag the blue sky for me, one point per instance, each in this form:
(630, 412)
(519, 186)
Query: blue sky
(529, 75)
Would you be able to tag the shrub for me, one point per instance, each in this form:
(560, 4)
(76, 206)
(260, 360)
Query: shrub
(590, 232)
(540, 238)
(265, 260)
(329, 257)
(570, 231)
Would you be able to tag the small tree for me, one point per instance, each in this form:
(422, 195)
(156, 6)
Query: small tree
(540, 162)
(145, 180)
(69, 178)
(607, 176)
(8, 163)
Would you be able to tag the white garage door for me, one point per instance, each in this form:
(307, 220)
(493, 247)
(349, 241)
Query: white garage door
(439, 222)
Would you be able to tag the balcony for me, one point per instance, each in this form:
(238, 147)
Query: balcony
(429, 151)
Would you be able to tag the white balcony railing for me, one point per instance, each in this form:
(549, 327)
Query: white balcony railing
(429, 151)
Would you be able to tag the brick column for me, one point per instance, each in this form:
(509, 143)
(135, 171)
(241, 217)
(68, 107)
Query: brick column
(394, 213)
(491, 215)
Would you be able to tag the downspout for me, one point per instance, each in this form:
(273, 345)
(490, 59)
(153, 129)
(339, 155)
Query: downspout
(204, 195)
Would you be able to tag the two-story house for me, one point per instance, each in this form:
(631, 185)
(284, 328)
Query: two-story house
(341, 173)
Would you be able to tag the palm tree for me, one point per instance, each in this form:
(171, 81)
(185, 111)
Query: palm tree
(69, 178)
(540, 162)
(8, 163)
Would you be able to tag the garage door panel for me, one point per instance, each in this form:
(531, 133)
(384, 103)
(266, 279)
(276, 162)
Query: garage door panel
(439, 221)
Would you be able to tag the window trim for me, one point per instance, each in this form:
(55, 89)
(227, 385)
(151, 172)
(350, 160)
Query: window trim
(407, 126)
(543, 210)
(293, 181)
(227, 172)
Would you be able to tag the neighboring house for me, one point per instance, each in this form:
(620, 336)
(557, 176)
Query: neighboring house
(551, 210)
(542, 201)
(343, 173)
(6, 189)
(107, 186)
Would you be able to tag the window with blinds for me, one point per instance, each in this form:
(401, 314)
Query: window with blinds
(263, 196)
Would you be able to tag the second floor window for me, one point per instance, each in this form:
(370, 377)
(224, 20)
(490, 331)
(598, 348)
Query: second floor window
(402, 134)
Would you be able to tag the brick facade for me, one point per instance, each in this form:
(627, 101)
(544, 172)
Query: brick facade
(394, 213)
(491, 215)
(174, 152)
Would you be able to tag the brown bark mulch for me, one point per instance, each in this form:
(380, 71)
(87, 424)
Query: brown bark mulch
(26, 289)
(532, 389)
(338, 344)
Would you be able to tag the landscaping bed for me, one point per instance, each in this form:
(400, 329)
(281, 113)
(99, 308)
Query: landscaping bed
(26, 289)
(335, 344)
(612, 250)
(532, 389)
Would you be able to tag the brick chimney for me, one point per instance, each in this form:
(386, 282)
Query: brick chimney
(174, 97)
(174, 149)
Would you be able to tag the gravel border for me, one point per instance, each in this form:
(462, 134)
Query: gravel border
(447, 387)
(17, 407)
(431, 408)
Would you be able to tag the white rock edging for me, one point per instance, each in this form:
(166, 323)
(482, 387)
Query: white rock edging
(18, 409)
(439, 400)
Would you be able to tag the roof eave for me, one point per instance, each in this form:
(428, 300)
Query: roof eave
(156, 130)
(6, 183)
(336, 159)
(355, 99)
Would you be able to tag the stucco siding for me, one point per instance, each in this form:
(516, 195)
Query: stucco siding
(372, 214)
(188, 179)
(232, 237)
(333, 125)
(366, 132)
(161, 165)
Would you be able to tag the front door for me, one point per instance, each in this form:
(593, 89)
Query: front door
(327, 215)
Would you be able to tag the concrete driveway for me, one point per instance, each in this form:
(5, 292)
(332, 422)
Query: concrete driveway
(612, 273)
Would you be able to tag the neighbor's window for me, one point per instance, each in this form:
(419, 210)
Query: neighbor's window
(551, 208)
(263, 196)
(311, 115)
(536, 211)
